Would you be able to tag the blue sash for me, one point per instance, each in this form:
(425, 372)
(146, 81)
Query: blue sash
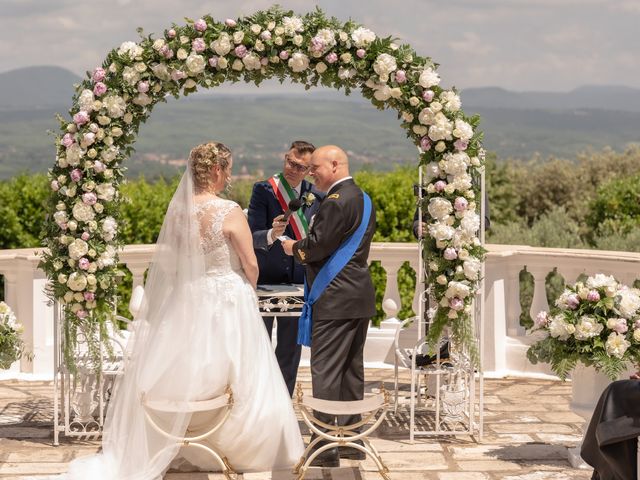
(328, 272)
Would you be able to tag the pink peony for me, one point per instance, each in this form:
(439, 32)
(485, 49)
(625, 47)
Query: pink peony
(425, 144)
(573, 301)
(198, 45)
(240, 51)
(401, 76)
(331, 57)
(229, 22)
(171, 33)
(541, 320)
(99, 89)
(143, 87)
(461, 145)
(213, 61)
(76, 175)
(283, 55)
(428, 95)
(450, 253)
(85, 236)
(99, 167)
(82, 314)
(621, 326)
(166, 52)
(265, 35)
(177, 75)
(68, 140)
(55, 186)
(317, 45)
(264, 61)
(200, 25)
(89, 198)
(361, 52)
(456, 304)
(440, 185)
(593, 296)
(83, 263)
(99, 74)
(460, 204)
(81, 118)
(89, 296)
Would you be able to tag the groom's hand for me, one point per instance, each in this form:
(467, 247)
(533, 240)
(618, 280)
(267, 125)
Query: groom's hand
(287, 246)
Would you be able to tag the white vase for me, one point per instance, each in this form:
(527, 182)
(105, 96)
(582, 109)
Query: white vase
(586, 387)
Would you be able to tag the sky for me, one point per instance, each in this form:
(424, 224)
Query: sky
(543, 45)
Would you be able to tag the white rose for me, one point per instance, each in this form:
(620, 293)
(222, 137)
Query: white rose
(256, 29)
(195, 63)
(429, 78)
(130, 75)
(60, 217)
(362, 37)
(441, 147)
(441, 231)
(441, 279)
(407, 117)
(439, 208)
(223, 63)
(259, 46)
(292, 25)
(77, 282)
(636, 335)
(343, 36)
(279, 31)
(616, 345)
(108, 155)
(85, 100)
(346, 57)
(158, 43)
(115, 106)
(78, 248)
(252, 61)
(384, 65)
(419, 130)
(297, 40)
(130, 49)
(414, 101)
(141, 99)
(74, 154)
(432, 170)
(321, 67)
(182, 54)
(382, 93)
(237, 65)
(82, 212)
(238, 36)
(298, 62)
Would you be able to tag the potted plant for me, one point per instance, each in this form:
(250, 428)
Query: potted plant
(11, 344)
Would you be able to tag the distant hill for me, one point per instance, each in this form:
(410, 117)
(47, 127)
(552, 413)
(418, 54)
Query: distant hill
(258, 126)
(35, 88)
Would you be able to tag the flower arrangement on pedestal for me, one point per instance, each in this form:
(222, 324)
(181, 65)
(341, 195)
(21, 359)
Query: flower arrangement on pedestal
(595, 322)
(11, 344)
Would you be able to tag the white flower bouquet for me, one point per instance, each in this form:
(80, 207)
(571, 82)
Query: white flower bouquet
(11, 344)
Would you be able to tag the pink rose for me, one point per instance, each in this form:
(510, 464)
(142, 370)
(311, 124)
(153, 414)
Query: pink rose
(621, 326)
(541, 320)
(55, 186)
(89, 198)
(99, 74)
(99, 89)
(637, 324)
(425, 144)
(456, 304)
(68, 140)
(428, 95)
(401, 76)
(83, 263)
(264, 61)
(76, 175)
(240, 51)
(593, 296)
(177, 75)
(440, 185)
(460, 204)
(89, 296)
(229, 22)
(283, 55)
(200, 25)
(265, 35)
(198, 45)
(171, 33)
(81, 118)
(166, 52)
(99, 167)
(573, 301)
(331, 57)
(450, 253)
(82, 314)
(143, 87)
(213, 61)
(361, 52)
(85, 236)
(461, 145)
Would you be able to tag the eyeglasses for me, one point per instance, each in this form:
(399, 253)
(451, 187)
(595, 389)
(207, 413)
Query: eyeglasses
(296, 166)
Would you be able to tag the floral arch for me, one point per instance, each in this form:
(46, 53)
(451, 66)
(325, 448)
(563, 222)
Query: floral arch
(110, 104)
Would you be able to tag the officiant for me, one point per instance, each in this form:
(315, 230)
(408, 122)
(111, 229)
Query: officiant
(269, 201)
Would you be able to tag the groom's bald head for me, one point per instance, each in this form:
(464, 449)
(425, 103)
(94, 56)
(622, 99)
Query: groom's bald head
(328, 165)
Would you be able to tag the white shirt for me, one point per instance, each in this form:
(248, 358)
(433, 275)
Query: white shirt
(339, 181)
(295, 189)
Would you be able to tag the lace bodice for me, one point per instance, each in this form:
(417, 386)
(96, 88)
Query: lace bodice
(220, 256)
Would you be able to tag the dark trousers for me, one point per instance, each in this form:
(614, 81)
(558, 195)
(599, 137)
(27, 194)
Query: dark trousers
(287, 348)
(337, 364)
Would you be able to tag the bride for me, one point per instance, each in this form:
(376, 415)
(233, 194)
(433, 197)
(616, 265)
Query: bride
(198, 331)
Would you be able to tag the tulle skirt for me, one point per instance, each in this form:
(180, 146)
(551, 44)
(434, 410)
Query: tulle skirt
(230, 349)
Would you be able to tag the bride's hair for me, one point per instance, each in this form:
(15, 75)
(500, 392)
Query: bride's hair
(204, 157)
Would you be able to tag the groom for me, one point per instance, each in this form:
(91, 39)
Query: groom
(269, 200)
(341, 313)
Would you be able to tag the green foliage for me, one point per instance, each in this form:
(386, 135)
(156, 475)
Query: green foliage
(554, 286)
(527, 286)
(22, 210)
(616, 208)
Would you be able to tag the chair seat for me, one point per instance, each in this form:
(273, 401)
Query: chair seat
(339, 407)
(169, 406)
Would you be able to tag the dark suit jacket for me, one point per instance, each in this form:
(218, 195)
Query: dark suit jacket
(275, 266)
(610, 444)
(351, 294)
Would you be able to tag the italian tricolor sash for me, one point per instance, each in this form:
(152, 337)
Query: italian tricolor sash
(284, 194)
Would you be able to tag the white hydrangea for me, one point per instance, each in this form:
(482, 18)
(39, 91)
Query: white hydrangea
(115, 106)
(130, 75)
(109, 228)
(107, 258)
(432, 170)
(439, 208)
(628, 302)
(450, 101)
(130, 49)
(455, 163)
(105, 191)
(429, 78)
(83, 212)
(616, 345)
(472, 267)
(441, 231)
(85, 100)
(457, 289)
(78, 249)
(161, 71)
(470, 223)
(292, 25)
(462, 130)
(362, 37)
(441, 129)
(588, 327)
(600, 280)
(74, 155)
(384, 65)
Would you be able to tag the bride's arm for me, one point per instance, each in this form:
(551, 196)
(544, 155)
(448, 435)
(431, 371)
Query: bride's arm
(235, 226)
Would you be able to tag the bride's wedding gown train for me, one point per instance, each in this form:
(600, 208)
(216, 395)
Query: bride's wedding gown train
(228, 346)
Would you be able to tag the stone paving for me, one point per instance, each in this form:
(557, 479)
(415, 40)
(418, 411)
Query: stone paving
(528, 427)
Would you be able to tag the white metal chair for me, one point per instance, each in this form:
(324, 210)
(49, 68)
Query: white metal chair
(207, 418)
(375, 407)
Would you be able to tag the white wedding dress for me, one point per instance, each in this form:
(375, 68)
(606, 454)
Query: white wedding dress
(199, 330)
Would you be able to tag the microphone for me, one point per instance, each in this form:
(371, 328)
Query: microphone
(294, 206)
